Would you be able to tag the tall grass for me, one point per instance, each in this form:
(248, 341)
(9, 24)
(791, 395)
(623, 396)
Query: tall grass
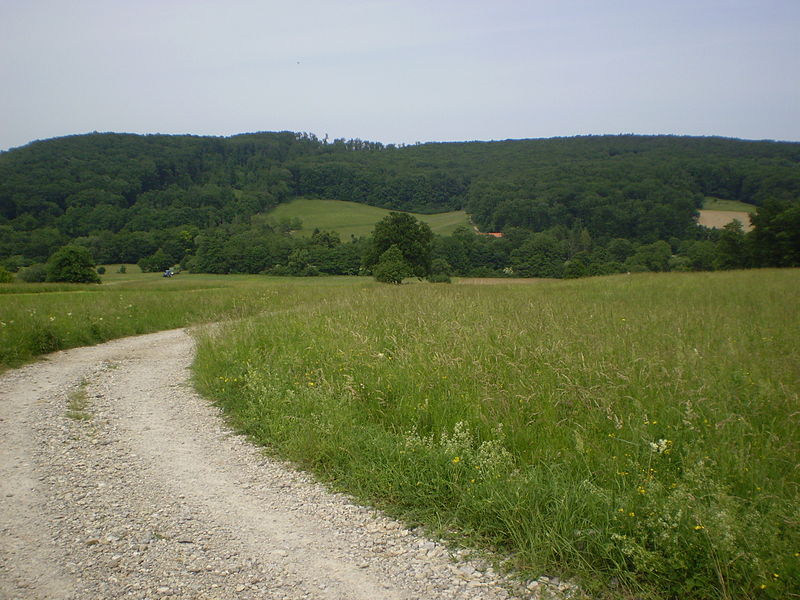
(39, 318)
(633, 431)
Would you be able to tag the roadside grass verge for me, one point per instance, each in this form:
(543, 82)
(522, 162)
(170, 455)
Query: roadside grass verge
(639, 433)
(36, 319)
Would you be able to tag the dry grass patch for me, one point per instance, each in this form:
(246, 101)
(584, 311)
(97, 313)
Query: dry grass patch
(717, 219)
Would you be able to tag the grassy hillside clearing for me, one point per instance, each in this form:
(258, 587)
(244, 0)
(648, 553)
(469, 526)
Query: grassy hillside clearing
(640, 433)
(716, 213)
(728, 205)
(352, 218)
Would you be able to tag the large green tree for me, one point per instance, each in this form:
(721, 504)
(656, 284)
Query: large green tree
(412, 237)
(776, 237)
(72, 264)
(391, 267)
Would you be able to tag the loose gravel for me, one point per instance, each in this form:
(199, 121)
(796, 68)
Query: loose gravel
(118, 481)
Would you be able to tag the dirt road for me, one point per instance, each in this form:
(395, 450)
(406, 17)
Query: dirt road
(118, 481)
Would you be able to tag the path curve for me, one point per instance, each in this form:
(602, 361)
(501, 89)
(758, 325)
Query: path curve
(118, 481)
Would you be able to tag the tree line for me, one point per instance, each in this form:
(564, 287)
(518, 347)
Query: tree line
(566, 206)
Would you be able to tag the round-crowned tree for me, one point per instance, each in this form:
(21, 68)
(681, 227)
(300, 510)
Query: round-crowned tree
(413, 238)
(392, 267)
(72, 264)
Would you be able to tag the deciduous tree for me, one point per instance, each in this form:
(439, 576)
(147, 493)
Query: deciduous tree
(72, 264)
(413, 239)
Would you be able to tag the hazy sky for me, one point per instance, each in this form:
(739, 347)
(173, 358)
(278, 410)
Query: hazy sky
(400, 71)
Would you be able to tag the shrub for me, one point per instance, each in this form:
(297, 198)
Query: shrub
(72, 264)
(5, 275)
(101, 270)
(36, 273)
(158, 261)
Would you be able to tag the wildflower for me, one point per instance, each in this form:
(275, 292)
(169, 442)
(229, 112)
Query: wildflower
(775, 575)
(698, 527)
(52, 318)
(631, 514)
(763, 586)
(456, 460)
(310, 384)
(641, 490)
(661, 446)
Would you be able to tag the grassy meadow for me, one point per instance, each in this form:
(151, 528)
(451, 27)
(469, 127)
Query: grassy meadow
(638, 433)
(39, 318)
(352, 218)
(728, 205)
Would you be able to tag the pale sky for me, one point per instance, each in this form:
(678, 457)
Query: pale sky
(400, 71)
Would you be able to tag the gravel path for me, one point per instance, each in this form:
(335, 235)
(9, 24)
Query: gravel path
(118, 481)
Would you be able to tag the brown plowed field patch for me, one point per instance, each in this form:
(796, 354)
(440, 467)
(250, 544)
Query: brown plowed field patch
(717, 219)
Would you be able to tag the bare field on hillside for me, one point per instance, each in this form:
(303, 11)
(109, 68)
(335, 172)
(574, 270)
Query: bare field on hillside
(717, 219)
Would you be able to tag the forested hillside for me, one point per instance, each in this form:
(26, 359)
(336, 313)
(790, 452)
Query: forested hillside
(568, 206)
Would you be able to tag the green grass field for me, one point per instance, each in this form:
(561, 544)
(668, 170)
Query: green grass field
(719, 204)
(637, 432)
(39, 318)
(352, 218)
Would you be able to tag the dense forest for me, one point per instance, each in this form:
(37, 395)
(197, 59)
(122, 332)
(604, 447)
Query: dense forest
(566, 206)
